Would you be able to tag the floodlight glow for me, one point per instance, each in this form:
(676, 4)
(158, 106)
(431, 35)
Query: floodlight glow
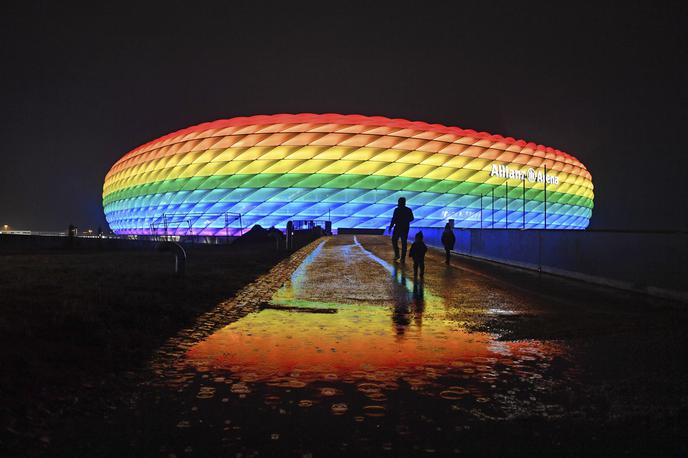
(218, 177)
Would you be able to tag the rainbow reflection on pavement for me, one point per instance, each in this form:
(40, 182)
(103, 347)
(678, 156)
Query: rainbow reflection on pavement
(390, 334)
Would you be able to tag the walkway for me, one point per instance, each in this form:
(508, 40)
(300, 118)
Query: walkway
(352, 356)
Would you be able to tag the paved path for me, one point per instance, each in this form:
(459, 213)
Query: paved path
(351, 356)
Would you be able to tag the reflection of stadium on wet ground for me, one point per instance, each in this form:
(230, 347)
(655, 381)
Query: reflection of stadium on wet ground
(352, 357)
(386, 330)
(391, 341)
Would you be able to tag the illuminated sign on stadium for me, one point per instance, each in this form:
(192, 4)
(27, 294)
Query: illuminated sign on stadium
(503, 171)
(221, 177)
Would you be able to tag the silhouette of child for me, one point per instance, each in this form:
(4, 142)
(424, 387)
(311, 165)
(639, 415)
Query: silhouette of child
(417, 253)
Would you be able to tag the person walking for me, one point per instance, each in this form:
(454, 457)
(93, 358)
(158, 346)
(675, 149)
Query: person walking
(448, 241)
(401, 221)
(417, 253)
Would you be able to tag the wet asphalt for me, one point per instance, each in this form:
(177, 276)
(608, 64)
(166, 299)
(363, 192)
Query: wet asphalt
(353, 356)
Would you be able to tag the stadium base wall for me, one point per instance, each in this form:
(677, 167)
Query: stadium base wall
(653, 263)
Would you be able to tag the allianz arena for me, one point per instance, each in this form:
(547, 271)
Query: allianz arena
(222, 177)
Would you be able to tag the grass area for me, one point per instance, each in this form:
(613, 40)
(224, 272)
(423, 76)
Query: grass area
(71, 323)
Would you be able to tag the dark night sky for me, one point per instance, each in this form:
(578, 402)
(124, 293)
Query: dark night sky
(84, 84)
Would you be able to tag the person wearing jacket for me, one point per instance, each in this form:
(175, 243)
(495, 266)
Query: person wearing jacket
(401, 222)
(448, 241)
(417, 253)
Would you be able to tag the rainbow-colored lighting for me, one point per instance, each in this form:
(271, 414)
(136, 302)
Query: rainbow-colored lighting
(348, 169)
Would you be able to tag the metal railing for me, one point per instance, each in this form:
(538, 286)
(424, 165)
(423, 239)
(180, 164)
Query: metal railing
(167, 225)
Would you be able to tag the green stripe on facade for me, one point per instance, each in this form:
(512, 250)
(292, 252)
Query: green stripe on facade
(340, 182)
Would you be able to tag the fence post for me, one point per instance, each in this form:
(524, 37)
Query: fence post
(179, 255)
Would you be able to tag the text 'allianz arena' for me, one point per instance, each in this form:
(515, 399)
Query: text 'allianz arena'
(221, 177)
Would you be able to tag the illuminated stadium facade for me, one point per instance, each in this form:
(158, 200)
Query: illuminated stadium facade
(221, 177)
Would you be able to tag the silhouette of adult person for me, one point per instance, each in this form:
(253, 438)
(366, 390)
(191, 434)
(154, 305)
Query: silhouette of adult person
(448, 241)
(401, 221)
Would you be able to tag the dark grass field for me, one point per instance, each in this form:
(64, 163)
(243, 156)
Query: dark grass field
(75, 324)
(626, 397)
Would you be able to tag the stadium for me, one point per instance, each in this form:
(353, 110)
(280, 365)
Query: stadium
(221, 178)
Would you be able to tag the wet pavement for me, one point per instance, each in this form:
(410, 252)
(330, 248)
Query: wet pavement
(353, 356)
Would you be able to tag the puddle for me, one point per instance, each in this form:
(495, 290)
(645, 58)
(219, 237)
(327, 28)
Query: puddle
(391, 354)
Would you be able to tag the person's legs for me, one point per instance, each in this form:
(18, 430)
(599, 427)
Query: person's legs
(404, 240)
(395, 244)
(447, 255)
(415, 269)
(421, 264)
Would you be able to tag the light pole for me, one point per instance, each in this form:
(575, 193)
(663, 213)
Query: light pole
(506, 194)
(492, 208)
(545, 196)
(524, 203)
(481, 210)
